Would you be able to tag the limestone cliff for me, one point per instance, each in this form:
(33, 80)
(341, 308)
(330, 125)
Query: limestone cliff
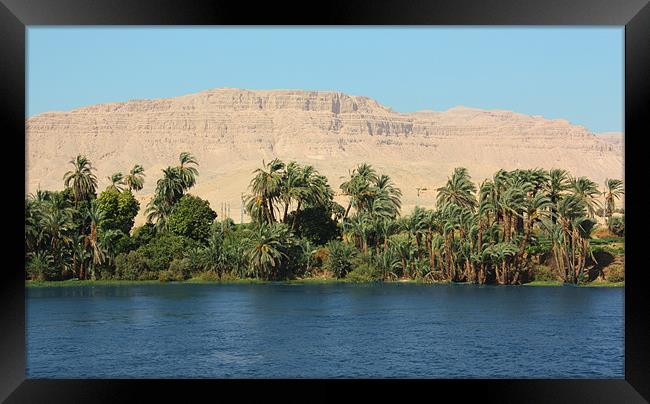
(231, 131)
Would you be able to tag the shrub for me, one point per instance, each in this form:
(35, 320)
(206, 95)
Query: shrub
(181, 267)
(132, 266)
(124, 244)
(228, 277)
(617, 225)
(544, 273)
(170, 276)
(143, 234)
(207, 276)
(615, 273)
(364, 273)
(339, 259)
(40, 267)
(164, 248)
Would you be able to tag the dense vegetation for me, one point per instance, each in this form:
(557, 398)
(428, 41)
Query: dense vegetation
(515, 227)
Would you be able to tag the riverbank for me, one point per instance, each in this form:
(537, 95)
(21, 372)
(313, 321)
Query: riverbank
(312, 281)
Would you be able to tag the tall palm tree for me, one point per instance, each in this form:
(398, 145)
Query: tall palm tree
(135, 179)
(94, 215)
(170, 187)
(265, 188)
(186, 172)
(613, 191)
(558, 183)
(358, 187)
(459, 190)
(56, 226)
(587, 191)
(292, 186)
(387, 191)
(81, 179)
(117, 182)
(157, 212)
(570, 236)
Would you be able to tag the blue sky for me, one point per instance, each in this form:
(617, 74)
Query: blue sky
(571, 73)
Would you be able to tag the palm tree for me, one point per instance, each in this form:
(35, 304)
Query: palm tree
(340, 258)
(56, 226)
(265, 188)
(117, 181)
(404, 252)
(556, 186)
(613, 191)
(570, 237)
(170, 187)
(94, 215)
(265, 249)
(302, 186)
(39, 265)
(389, 263)
(587, 191)
(81, 178)
(292, 187)
(134, 180)
(157, 212)
(80, 256)
(536, 208)
(186, 172)
(359, 227)
(501, 254)
(390, 193)
(358, 187)
(459, 190)
(107, 241)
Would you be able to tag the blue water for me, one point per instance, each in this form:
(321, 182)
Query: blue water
(324, 331)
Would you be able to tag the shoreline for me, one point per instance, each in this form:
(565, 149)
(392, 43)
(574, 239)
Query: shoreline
(302, 281)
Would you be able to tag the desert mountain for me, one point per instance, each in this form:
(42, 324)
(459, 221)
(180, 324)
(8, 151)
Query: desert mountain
(231, 131)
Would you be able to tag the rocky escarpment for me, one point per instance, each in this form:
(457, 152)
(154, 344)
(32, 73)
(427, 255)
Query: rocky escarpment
(231, 131)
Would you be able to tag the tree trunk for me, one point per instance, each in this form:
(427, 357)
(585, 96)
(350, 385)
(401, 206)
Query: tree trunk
(347, 210)
(286, 210)
(294, 225)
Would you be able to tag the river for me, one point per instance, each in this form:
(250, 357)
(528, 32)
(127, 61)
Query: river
(324, 331)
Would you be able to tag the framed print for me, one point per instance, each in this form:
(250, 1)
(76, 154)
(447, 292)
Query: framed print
(396, 199)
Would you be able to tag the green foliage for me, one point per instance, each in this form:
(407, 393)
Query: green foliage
(364, 273)
(315, 224)
(266, 248)
(617, 225)
(207, 276)
(544, 273)
(124, 244)
(170, 276)
(494, 232)
(118, 210)
(132, 266)
(192, 218)
(340, 258)
(164, 248)
(40, 268)
(143, 235)
(181, 267)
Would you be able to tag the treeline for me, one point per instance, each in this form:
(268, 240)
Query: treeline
(496, 232)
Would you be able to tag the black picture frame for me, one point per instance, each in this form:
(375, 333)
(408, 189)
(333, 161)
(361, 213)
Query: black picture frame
(15, 15)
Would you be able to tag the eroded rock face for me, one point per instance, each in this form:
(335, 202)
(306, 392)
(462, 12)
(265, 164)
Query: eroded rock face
(231, 131)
